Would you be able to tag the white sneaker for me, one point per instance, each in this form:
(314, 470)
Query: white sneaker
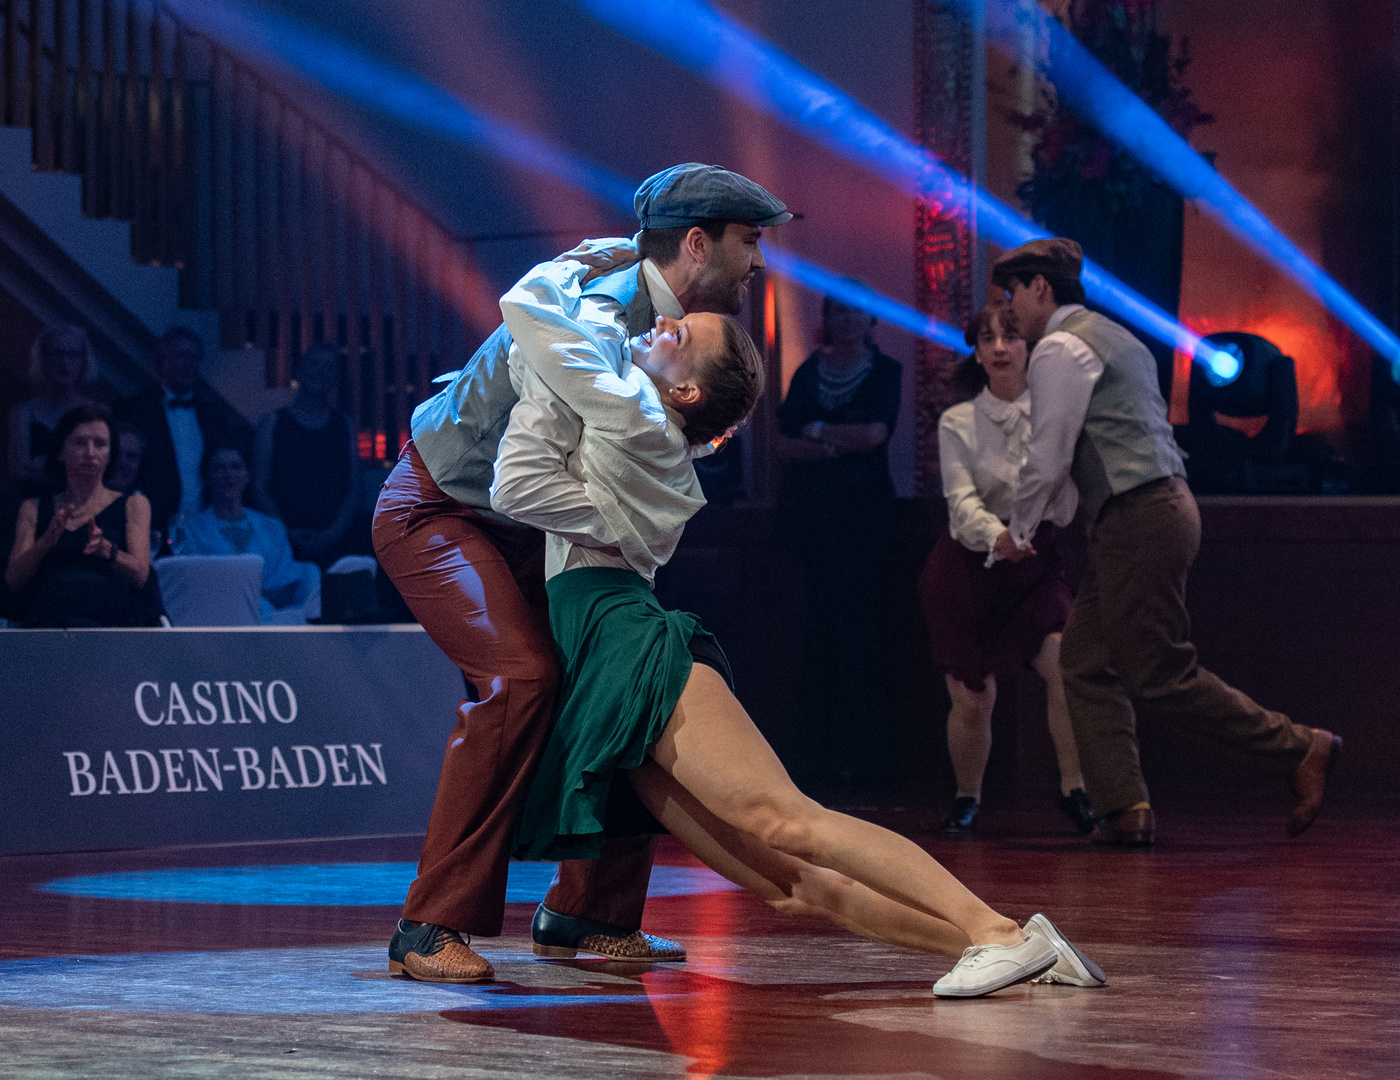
(1073, 967)
(987, 968)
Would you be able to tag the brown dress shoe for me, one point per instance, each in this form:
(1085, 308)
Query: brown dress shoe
(636, 946)
(438, 954)
(1310, 780)
(1126, 828)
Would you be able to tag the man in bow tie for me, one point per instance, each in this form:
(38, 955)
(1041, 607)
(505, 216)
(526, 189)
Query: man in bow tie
(179, 418)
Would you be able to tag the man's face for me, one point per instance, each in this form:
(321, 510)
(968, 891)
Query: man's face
(1029, 306)
(177, 366)
(730, 263)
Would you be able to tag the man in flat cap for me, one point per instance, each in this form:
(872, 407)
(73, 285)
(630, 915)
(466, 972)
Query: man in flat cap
(475, 581)
(1098, 421)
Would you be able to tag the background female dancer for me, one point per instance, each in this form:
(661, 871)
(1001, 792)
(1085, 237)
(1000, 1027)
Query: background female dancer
(985, 615)
(635, 699)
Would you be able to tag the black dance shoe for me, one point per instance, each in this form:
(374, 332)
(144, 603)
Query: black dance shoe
(1075, 806)
(961, 817)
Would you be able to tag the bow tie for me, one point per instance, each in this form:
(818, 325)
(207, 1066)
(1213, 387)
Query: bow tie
(180, 403)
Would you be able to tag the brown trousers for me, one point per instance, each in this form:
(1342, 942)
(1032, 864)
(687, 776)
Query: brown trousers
(477, 587)
(1127, 653)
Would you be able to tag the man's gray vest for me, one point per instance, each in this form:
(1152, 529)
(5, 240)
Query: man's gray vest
(1126, 441)
(458, 430)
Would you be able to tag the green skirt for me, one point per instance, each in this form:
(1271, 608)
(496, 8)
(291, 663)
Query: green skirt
(626, 660)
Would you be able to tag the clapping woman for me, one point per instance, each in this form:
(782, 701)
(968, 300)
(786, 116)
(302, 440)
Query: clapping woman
(986, 613)
(80, 557)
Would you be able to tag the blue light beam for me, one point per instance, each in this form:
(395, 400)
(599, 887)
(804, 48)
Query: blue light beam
(268, 36)
(402, 96)
(1091, 90)
(741, 63)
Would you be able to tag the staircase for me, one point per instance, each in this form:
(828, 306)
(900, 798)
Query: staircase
(278, 234)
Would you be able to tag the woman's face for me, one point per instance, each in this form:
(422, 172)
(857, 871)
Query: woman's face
(1001, 353)
(846, 325)
(87, 450)
(228, 477)
(64, 361)
(676, 349)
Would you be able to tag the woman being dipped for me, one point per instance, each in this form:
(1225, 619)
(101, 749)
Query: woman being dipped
(646, 690)
(985, 612)
(80, 557)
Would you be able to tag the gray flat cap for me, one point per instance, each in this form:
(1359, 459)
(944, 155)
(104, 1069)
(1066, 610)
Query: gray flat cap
(691, 193)
(1055, 257)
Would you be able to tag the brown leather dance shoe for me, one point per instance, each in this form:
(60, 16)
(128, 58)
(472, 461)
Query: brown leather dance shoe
(438, 954)
(1126, 828)
(562, 937)
(1310, 780)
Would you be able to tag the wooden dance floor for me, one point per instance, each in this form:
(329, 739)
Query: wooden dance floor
(1231, 952)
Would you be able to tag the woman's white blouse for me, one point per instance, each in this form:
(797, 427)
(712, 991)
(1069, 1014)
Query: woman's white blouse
(981, 448)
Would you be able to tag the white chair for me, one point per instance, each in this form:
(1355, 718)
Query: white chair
(305, 605)
(211, 590)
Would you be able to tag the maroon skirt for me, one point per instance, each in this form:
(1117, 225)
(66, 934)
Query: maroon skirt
(984, 619)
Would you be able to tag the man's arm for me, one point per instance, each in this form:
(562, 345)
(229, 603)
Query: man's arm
(1062, 375)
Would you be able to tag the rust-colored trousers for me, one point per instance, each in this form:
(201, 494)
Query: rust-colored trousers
(477, 587)
(1127, 654)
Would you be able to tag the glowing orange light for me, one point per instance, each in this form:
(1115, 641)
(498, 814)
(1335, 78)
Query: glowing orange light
(366, 444)
(770, 316)
(380, 445)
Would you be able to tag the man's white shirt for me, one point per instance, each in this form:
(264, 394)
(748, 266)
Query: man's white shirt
(1061, 376)
(189, 450)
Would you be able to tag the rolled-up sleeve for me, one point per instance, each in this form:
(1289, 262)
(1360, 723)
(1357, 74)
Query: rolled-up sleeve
(1062, 374)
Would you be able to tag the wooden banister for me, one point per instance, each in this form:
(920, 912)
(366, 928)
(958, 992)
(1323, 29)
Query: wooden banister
(271, 219)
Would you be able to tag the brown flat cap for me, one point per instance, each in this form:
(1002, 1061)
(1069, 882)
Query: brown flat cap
(1055, 257)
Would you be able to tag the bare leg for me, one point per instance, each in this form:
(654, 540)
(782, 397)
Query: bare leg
(788, 884)
(1047, 666)
(713, 749)
(970, 733)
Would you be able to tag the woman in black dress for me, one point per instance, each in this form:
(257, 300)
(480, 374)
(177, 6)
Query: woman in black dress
(81, 557)
(836, 505)
(305, 463)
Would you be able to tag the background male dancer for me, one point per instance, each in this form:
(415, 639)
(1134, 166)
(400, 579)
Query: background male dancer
(1098, 416)
(474, 579)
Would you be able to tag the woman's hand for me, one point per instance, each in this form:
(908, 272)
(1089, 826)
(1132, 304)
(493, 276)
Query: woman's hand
(58, 524)
(98, 545)
(1005, 548)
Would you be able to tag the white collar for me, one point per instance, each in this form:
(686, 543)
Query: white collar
(1000, 411)
(1063, 312)
(662, 298)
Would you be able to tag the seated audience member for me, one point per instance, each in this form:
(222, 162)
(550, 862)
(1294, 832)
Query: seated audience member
(986, 613)
(126, 458)
(305, 463)
(179, 419)
(60, 365)
(81, 557)
(226, 527)
(836, 506)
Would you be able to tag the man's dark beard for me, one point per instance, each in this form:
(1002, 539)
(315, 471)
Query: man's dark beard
(720, 294)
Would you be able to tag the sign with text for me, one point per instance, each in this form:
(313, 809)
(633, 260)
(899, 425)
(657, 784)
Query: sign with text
(144, 738)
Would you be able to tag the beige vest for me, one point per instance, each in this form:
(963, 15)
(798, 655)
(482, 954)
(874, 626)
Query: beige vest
(1126, 440)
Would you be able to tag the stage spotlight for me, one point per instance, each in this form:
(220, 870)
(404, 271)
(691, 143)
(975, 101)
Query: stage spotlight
(1090, 89)
(721, 50)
